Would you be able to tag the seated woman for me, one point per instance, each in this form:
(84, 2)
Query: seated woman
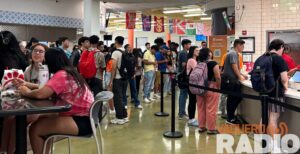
(31, 81)
(68, 85)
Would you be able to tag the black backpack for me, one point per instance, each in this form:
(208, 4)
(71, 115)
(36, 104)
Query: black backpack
(262, 77)
(127, 65)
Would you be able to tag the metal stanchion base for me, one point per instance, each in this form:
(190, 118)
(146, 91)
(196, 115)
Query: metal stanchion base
(161, 114)
(175, 134)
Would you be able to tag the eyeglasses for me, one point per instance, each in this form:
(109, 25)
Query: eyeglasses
(38, 51)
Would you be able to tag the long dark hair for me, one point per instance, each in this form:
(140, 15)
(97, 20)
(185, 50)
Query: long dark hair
(57, 60)
(204, 54)
(11, 55)
(191, 51)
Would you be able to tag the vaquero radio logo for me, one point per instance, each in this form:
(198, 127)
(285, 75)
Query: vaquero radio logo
(235, 139)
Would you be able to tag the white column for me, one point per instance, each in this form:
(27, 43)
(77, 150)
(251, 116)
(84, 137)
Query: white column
(91, 17)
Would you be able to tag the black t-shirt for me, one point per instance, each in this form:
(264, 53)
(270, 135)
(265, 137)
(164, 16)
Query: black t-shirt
(210, 70)
(278, 66)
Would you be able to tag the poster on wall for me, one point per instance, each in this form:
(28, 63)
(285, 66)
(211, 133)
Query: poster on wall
(130, 20)
(218, 45)
(249, 46)
(159, 26)
(146, 23)
(190, 29)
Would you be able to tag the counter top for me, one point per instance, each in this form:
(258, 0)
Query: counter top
(291, 93)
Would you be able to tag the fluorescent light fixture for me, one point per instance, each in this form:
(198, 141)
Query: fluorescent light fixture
(206, 18)
(195, 15)
(181, 10)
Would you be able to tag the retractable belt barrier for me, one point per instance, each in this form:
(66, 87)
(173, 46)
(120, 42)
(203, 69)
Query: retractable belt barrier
(162, 113)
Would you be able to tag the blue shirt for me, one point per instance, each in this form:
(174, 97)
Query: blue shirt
(159, 57)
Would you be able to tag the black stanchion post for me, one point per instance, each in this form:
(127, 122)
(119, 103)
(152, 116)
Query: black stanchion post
(161, 113)
(264, 114)
(173, 133)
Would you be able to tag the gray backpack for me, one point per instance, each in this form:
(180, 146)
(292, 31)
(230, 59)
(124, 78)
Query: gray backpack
(199, 77)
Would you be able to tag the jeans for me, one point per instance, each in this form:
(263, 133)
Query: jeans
(182, 101)
(107, 79)
(133, 91)
(118, 86)
(149, 82)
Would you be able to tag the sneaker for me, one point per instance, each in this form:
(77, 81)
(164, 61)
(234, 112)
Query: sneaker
(146, 100)
(183, 117)
(126, 120)
(213, 132)
(193, 123)
(126, 107)
(202, 129)
(232, 122)
(152, 99)
(156, 95)
(112, 112)
(118, 121)
(139, 107)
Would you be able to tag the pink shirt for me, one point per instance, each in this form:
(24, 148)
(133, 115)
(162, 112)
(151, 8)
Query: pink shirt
(191, 64)
(66, 88)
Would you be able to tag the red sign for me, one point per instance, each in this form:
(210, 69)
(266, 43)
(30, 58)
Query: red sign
(179, 26)
(159, 24)
(130, 20)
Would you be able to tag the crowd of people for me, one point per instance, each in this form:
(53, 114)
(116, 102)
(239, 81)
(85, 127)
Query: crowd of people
(79, 75)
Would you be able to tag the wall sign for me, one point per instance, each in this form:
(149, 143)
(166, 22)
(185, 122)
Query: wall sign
(249, 44)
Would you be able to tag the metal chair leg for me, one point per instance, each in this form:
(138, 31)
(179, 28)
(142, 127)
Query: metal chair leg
(69, 141)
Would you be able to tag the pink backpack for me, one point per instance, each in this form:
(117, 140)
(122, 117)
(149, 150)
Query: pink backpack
(199, 77)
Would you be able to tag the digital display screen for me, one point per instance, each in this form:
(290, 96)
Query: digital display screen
(296, 77)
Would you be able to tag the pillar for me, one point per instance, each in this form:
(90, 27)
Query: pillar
(168, 38)
(91, 22)
(131, 37)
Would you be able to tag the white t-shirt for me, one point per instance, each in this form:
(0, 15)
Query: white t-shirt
(117, 55)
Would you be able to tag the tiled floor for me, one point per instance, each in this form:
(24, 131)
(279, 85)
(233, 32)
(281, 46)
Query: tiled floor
(144, 135)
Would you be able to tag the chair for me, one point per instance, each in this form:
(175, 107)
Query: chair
(95, 123)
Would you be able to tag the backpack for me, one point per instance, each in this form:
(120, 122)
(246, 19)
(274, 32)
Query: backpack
(87, 65)
(126, 69)
(199, 77)
(262, 77)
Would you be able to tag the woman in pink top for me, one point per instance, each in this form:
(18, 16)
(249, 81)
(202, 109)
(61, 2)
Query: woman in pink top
(68, 85)
(191, 64)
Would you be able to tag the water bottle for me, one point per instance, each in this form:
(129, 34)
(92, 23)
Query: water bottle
(43, 75)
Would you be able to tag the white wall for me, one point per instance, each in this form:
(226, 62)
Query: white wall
(261, 16)
(64, 8)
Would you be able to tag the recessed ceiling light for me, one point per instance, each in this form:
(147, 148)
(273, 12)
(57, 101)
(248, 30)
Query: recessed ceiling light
(206, 18)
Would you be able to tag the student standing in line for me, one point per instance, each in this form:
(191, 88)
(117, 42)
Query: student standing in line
(280, 69)
(182, 60)
(191, 64)
(208, 104)
(149, 72)
(231, 79)
(117, 84)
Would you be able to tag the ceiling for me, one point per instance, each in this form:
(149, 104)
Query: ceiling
(143, 5)
(143, 1)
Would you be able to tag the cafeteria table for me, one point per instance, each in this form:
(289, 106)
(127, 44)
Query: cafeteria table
(22, 107)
